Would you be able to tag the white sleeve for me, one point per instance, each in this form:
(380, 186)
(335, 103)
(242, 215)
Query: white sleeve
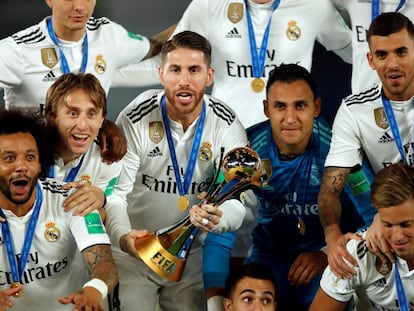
(232, 218)
(338, 36)
(117, 220)
(11, 64)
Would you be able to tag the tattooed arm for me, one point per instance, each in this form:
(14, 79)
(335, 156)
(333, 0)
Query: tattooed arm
(103, 278)
(329, 205)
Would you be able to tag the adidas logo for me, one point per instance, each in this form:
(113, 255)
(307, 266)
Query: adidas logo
(381, 283)
(386, 138)
(50, 77)
(234, 33)
(156, 152)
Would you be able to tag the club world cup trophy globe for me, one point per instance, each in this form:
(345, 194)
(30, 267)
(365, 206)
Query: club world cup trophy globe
(166, 250)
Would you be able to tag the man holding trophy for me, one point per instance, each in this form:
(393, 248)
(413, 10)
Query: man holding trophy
(177, 138)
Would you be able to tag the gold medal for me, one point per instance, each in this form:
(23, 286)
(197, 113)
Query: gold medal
(15, 285)
(301, 226)
(257, 85)
(182, 203)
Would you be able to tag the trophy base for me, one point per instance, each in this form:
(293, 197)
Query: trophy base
(159, 259)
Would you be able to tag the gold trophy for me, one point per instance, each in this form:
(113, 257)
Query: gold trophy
(166, 250)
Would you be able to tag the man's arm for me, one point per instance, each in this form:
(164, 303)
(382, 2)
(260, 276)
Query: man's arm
(103, 278)
(327, 302)
(329, 205)
(157, 41)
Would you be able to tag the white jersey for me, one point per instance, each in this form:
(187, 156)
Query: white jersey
(361, 126)
(92, 169)
(363, 76)
(30, 61)
(375, 291)
(52, 268)
(296, 24)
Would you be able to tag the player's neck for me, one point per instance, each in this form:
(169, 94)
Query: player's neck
(18, 209)
(68, 34)
(66, 155)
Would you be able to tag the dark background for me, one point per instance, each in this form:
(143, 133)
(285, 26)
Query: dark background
(148, 17)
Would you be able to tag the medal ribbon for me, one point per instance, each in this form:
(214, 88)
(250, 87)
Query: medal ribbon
(63, 60)
(183, 187)
(375, 8)
(18, 269)
(258, 60)
(393, 125)
(402, 299)
(72, 173)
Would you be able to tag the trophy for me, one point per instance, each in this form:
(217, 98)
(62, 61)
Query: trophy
(166, 250)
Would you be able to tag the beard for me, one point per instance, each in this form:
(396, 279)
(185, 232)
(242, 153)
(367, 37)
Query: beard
(21, 199)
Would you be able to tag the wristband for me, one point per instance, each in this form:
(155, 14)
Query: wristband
(99, 285)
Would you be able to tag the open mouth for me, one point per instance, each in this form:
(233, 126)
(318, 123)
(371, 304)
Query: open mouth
(20, 186)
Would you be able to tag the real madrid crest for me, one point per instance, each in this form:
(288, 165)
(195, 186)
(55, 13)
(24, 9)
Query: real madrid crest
(205, 154)
(100, 64)
(156, 131)
(235, 12)
(85, 179)
(49, 57)
(293, 32)
(380, 118)
(52, 234)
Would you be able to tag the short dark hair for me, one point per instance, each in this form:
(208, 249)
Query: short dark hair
(388, 23)
(393, 185)
(16, 121)
(188, 40)
(255, 270)
(289, 73)
(69, 82)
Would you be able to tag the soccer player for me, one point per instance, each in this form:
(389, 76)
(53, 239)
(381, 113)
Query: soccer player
(175, 139)
(380, 285)
(39, 269)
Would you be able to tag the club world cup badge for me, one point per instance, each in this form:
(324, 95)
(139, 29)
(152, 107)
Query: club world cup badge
(49, 57)
(383, 267)
(52, 234)
(380, 118)
(293, 32)
(235, 12)
(205, 154)
(100, 64)
(156, 131)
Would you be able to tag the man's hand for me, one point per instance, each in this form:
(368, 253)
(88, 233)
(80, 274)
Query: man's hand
(377, 243)
(89, 298)
(86, 199)
(205, 216)
(5, 297)
(113, 142)
(306, 267)
(337, 252)
(127, 241)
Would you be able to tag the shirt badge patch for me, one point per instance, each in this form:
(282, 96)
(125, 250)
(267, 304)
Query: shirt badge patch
(380, 118)
(85, 179)
(100, 64)
(52, 234)
(204, 153)
(235, 12)
(383, 268)
(94, 223)
(293, 32)
(49, 57)
(156, 131)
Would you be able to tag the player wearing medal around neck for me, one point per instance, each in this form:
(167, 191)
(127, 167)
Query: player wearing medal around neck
(292, 145)
(378, 285)
(70, 40)
(175, 137)
(377, 124)
(75, 110)
(360, 14)
(39, 241)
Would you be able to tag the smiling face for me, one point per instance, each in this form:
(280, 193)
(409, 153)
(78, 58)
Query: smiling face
(77, 121)
(392, 57)
(19, 169)
(252, 294)
(70, 17)
(398, 227)
(291, 109)
(185, 76)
